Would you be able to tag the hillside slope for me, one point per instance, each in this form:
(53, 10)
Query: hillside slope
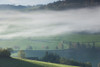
(40, 43)
(12, 62)
(57, 5)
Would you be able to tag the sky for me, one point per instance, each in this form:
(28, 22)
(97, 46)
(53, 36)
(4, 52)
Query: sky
(26, 2)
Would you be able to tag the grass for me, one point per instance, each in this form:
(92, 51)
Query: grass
(15, 62)
(39, 43)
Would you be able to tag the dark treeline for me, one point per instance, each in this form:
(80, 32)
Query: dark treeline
(67, 4)
(76, 45)
(55, 58)
(5, 53)
(58, 5)
(82, 45)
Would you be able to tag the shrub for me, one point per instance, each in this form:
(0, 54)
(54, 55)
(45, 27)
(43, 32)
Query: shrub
(21, 54)
(4, 53)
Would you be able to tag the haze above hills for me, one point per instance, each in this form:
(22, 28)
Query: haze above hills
(33, 22)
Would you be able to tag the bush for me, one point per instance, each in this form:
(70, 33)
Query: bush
(50, 57)
(21, 54)
(54, 58)
(74, 63)
(4, 53)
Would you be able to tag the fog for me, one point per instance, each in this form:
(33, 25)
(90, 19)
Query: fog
(47, 23)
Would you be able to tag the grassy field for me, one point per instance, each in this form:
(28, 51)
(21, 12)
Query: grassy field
(39, 43)
(15, 62)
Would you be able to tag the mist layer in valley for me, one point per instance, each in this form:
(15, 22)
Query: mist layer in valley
(48, 23)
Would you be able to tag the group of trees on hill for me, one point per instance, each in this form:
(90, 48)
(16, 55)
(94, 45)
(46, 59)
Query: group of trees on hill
(51, 57)
(5, 52)
(21, 54)
(79, 45)
(54, 58)
(75, 45)
(58, 5)
(67, 4)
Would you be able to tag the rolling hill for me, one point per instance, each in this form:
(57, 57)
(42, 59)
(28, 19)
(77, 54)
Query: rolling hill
(40, 43)
(57, 5)
(13, 62)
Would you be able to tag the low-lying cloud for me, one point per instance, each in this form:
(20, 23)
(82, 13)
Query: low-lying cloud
(46, 23)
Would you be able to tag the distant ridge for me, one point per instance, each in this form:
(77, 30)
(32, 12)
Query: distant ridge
(69, 4)
(7, 6)
(58, 5)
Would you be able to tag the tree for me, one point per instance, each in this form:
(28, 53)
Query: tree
(93, 47)
(16, 47)
(47, 47)
(51, 57)
(29, 48)
(56, 47)
(10, 49)
(21, 54)
(4, 53)
(61, 45)
(62, 60)
(78, 44)
(70, 45)
(89, 45)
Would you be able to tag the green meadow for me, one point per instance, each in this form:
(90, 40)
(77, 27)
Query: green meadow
(15, 62)
(39, 43)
